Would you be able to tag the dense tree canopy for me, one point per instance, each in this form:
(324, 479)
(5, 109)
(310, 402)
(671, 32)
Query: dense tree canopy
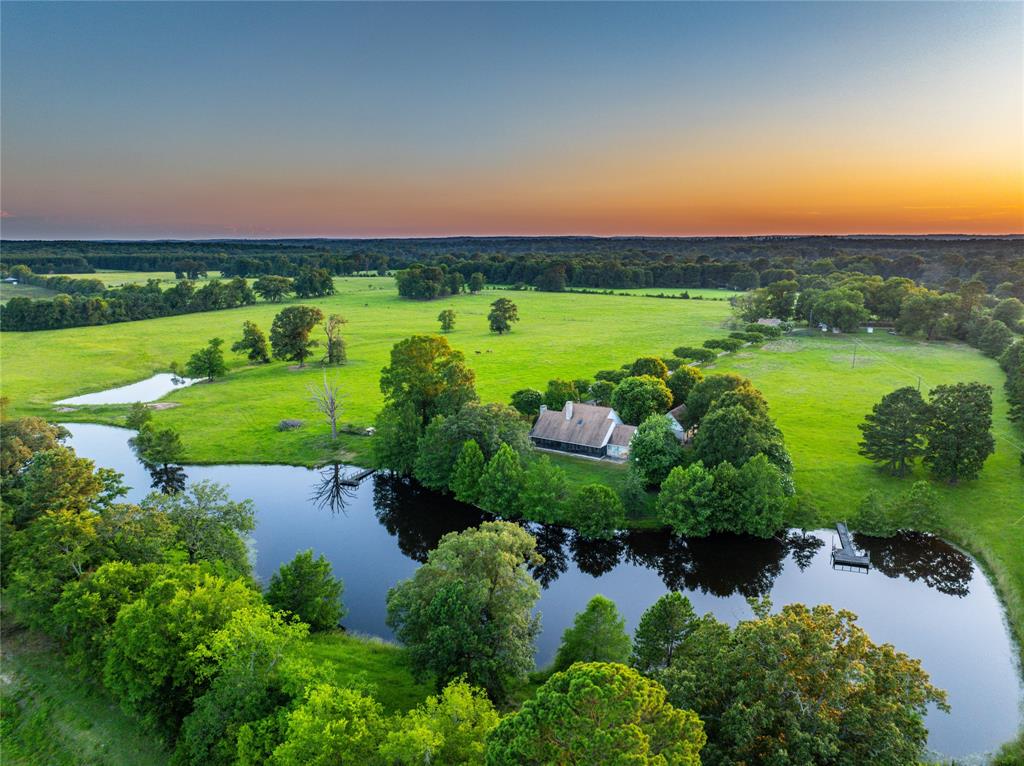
(637, 398)
(290, 333)
(598, 634)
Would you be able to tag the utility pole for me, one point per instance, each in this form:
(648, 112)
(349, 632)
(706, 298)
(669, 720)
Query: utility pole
(854, 354)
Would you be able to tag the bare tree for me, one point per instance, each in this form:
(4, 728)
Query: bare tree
(327, 400)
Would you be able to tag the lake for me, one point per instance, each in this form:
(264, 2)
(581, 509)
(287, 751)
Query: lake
(922, 595)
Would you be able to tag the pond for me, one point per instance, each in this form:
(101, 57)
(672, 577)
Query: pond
(922, 595)
(148, 390)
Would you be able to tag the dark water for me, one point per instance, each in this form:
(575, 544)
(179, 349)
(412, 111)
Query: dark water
(924, 596)
(148, 390)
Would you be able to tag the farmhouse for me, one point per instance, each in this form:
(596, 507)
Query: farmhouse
(583, 429)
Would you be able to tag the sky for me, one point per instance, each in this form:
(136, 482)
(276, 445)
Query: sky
(236, 119)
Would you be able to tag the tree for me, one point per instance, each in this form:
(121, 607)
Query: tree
(704, 394)
(916, 508)
(160, 447)
(528, 401)
(552, 279)
(682, 381)
(467, 610)
(662, 630)
(995, 339)
(872, 517)
(332, 726)
(151, 662)
(469, 466)
(429, 376)
(289, 334)
(398, 429)
(732, 435)
(501, 483)
(595, 512)
(1009, 311)
(22, 438)
(894, 430)
(451, 728)
(686, 500)
(208, 523)
(559, 392)
(655, 450)
(959, 431)
(601, 392)
(138, 416)
(476, 282)
(781, 296)
(598, 713)
(306, 588)
(649, 365)
(545, 493)
(207, 362)
(272, 289)
(327, 400)
(57, 480)
(807, 677)
(335, 343)
(313, 283)
(447, 320)
(637, 398)
(503, 313)
(598, 634)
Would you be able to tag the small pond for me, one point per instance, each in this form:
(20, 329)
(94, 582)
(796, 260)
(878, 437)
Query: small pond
(922, 595)
(148, 390)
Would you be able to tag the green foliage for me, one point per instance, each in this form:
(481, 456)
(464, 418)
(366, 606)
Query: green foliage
(451, 728)
(398, 433)
(663, 628)
(595, 512)
(637, 398)
(558, 392)
(57, 480)
(290, 331)
(703, 395)
(649, 365)
(20, 439)
(468, 609)
(682, 381)
(503, 313)
(694, 354)
(915, 508)
(601, 392)
(502, 482)
(726, 344)
(731, 434)
(427, 375)
(157, 446)
(447, 320)
(469, 466)
(208, 523)
(959, 432)
(995, 339)
(253, 343)
(687, 501)
(207, 362)
(138, 416)
(872, 517)
(151, 665)
(598, 713)
(313, 283)
(545, 493)
(655, 450)
(307, 588)
(332, 726)
(810, 678)
(476, 282)
(893, 431)
(272, 289)
(336, 353)
(598, 634)
(528, 401)
(1009, 311)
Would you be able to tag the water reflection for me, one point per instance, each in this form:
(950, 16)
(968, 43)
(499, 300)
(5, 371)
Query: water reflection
(596, 557)
(920, 557)
(803, 547)
(168, 479)
(330, 493)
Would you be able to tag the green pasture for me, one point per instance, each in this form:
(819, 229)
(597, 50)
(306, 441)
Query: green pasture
(8, 291)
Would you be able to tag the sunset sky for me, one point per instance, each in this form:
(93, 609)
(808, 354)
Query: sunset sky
(151, 120)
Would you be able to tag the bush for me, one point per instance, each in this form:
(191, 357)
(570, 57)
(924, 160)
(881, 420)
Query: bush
(289, 425)
(691, 354)
(726, 344)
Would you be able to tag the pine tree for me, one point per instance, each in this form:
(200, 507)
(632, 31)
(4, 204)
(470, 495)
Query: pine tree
(893, 431)
(501, 484)
(469, 467)
(598, 634)
(959, 432)
(663, 627)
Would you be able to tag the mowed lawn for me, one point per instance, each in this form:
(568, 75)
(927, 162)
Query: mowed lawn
(235, 419)
(818, 394)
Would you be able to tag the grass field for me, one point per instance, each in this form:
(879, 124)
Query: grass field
(24, 291)
(235, 419)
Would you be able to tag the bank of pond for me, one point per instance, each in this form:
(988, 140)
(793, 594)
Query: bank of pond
(924, 596)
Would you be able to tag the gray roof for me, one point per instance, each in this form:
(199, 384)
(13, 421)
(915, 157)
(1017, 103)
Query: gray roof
(588, 426)
(679, 414)
(622, 435)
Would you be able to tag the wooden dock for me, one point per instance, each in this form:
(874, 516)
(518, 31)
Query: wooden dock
(846, 556)
(356, 480)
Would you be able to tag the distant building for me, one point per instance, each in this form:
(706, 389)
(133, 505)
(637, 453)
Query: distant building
(10, 281)
(583, 429)
(770, 321)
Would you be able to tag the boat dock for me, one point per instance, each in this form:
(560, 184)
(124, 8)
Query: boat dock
(356, 480)
(846, 556)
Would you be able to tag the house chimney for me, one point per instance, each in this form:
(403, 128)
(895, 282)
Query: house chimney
(568, 410)
(543, 408)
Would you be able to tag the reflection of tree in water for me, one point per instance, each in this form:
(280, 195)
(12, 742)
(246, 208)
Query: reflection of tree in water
(595, 557)
(720, 565)
(167, 478)
(802, 547)
(418, 517)
(551, 545)
(329, 492)
(919, 556)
